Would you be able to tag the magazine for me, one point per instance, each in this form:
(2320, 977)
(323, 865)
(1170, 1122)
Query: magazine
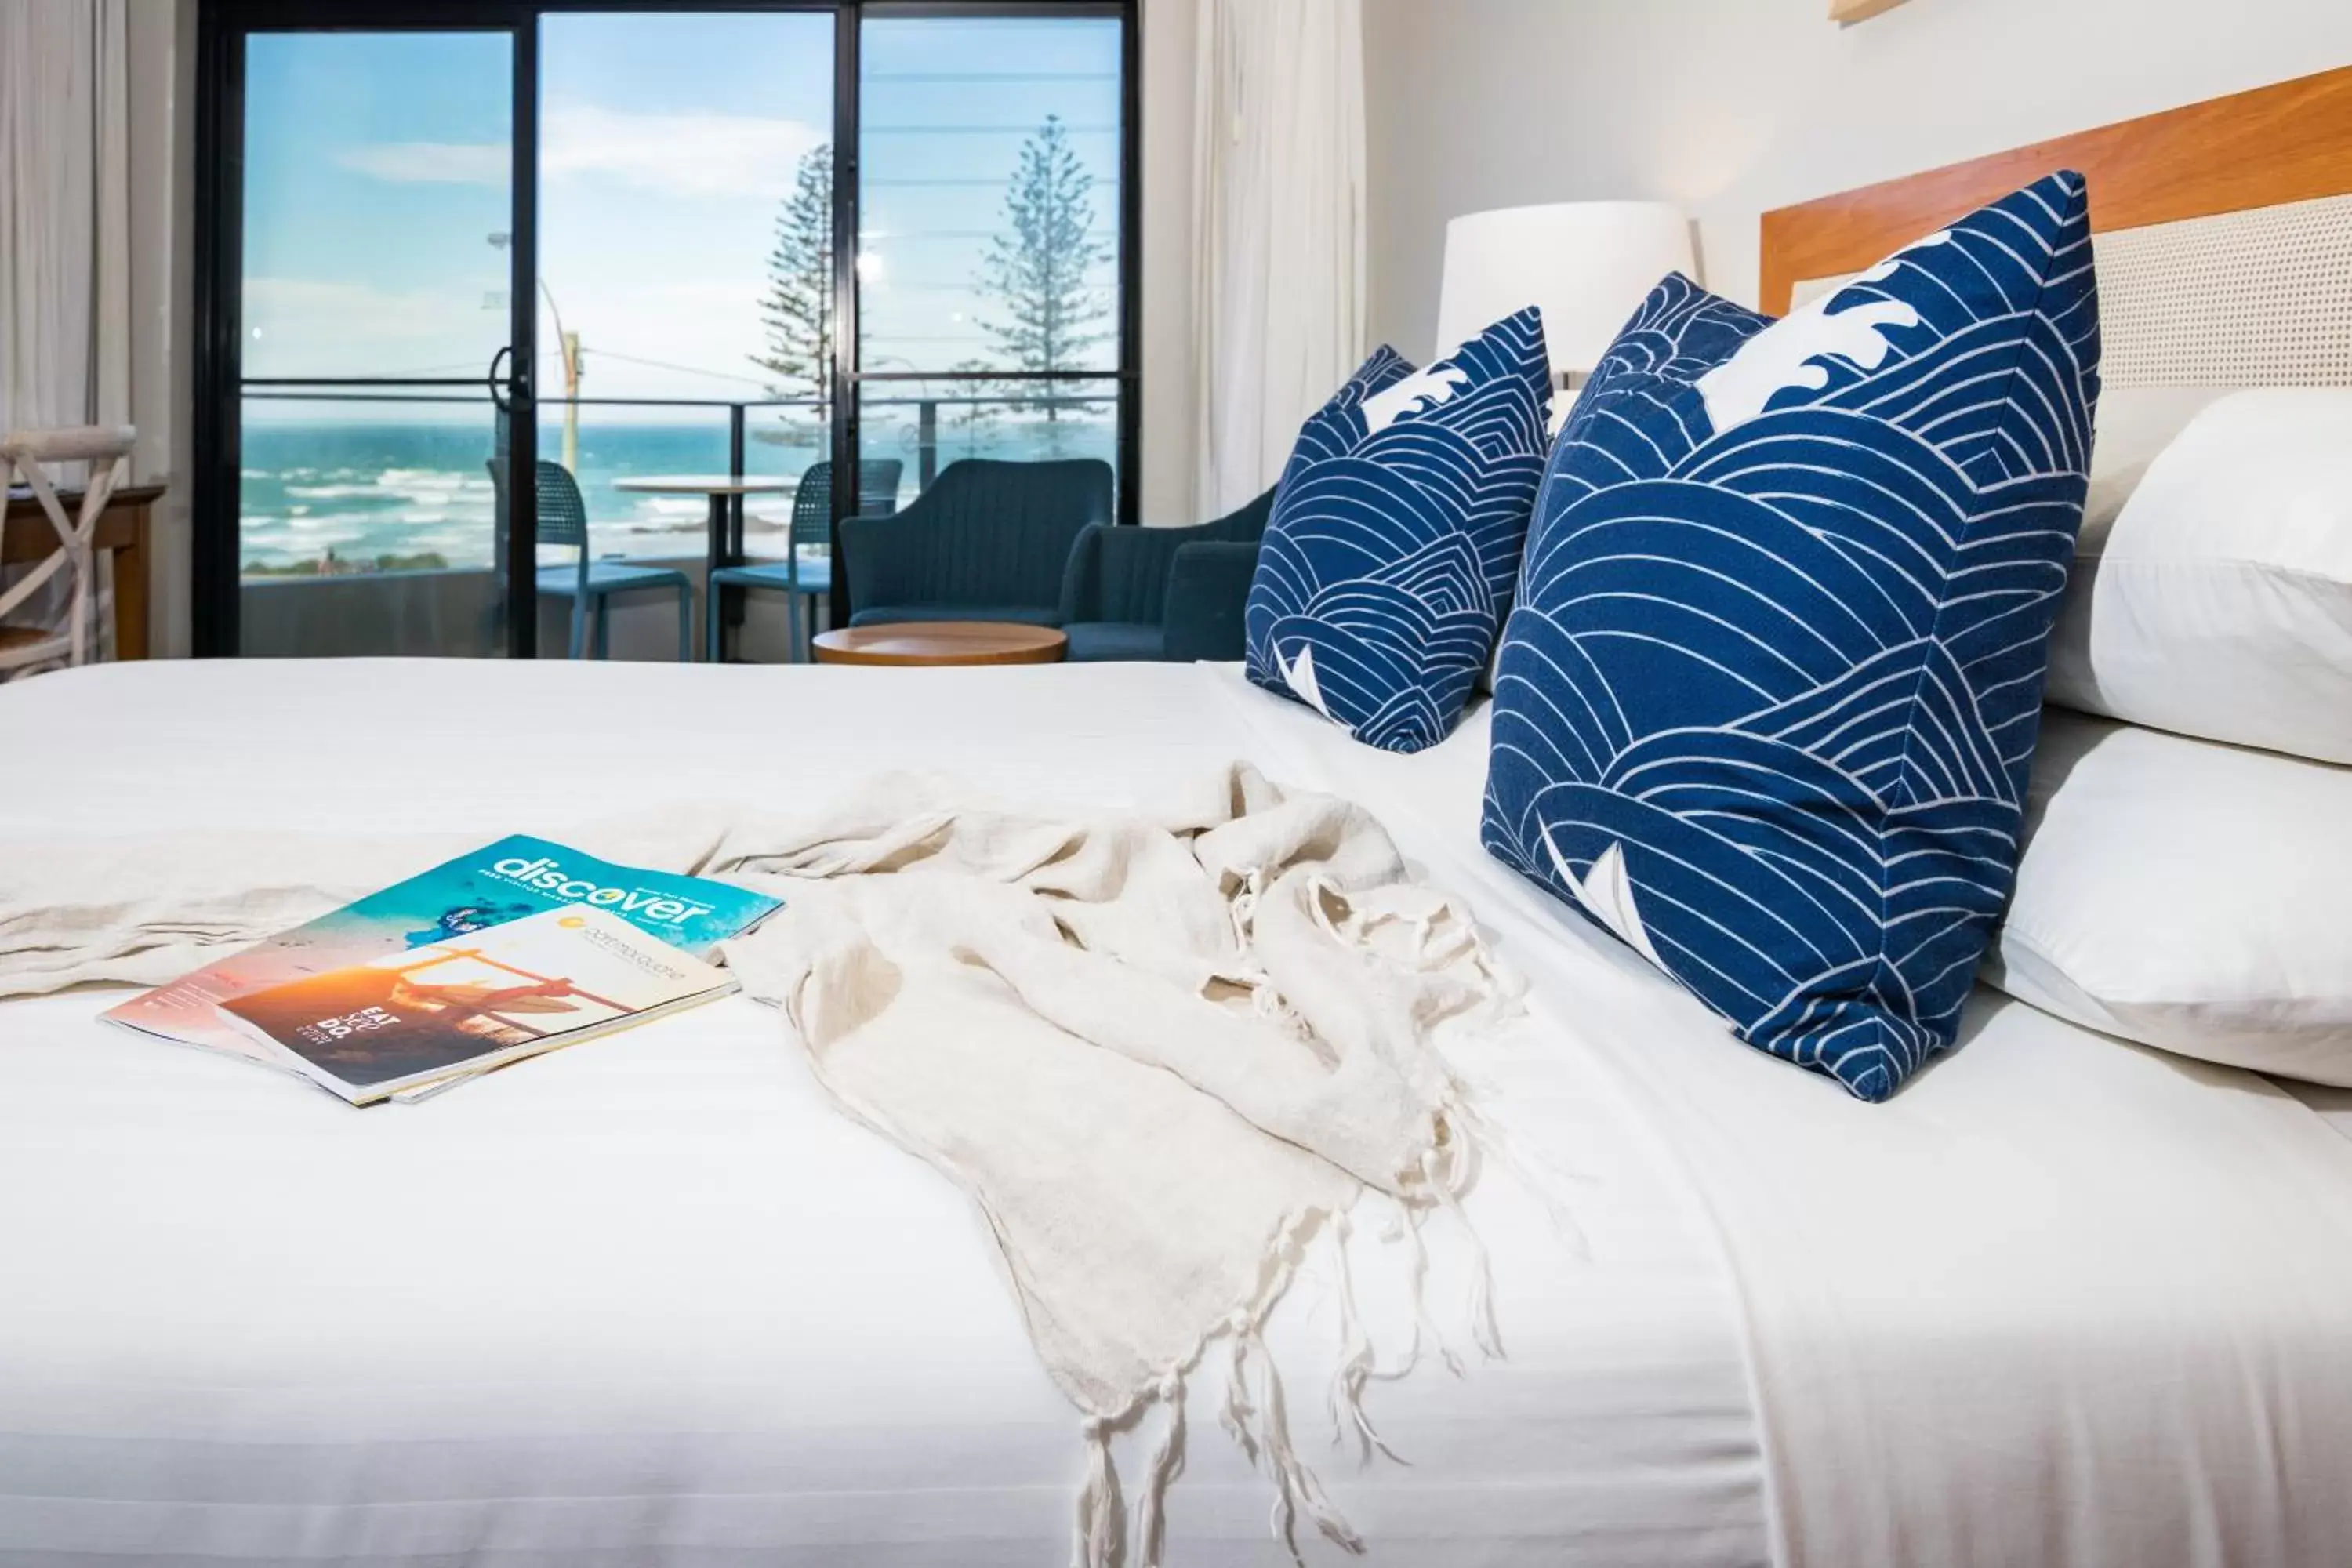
(410, 1019)
(501, 883)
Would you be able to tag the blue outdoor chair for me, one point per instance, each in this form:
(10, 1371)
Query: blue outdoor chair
(589, 583)
(987, 541)
(802, 580)
(1162, 593)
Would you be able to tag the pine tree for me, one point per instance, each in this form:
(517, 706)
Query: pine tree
(1037, 269)
(798, 308)
(969, 428)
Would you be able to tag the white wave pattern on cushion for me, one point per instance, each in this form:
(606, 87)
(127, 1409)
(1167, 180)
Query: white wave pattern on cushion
(1784, 355)
(1416, 394)
(1299, 676)
(1786, 670)
(1607, 895)
(1396, 536)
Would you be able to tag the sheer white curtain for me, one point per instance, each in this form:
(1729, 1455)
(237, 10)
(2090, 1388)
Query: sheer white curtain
(65, 213)
(1279, 230)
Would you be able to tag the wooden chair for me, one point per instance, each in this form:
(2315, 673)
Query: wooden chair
(25, 454)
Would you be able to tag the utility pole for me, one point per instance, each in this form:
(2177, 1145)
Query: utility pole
(571, 362)
(570, 341)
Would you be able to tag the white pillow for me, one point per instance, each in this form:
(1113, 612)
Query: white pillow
(2217, 601)
(2132, 426)
(2188, 895)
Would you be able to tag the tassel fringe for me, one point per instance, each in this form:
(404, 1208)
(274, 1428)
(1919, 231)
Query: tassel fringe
(1440, 1171)
(1295, 1487)
(1253, 1410)
(1235, 1416)
(1167, 1464)
(1544, 1179)
(1099, 1515)
(1425, 1331)
(1356, 1364)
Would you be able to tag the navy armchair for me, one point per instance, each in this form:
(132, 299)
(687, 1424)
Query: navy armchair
(987, 542)
(1162, 593)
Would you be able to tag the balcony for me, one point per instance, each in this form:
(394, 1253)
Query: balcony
(370, 523)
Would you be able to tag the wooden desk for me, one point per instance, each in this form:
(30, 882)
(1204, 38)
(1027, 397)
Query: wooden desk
(122, 531)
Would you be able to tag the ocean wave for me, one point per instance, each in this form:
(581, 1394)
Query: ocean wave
(338, 492)
(431, 479)
(310, 490)
(644, 525)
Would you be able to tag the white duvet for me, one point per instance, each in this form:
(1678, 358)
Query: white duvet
(2062, 1301)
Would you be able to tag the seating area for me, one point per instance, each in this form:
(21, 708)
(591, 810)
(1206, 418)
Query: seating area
(1033, 544)
(1029, 543)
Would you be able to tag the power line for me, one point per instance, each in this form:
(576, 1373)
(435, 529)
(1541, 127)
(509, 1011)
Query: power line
(873, 77)
(591, 352)
(479, 365)
(1023, 129)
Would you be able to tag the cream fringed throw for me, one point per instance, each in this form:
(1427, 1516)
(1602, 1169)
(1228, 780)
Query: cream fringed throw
(1160, 1055)
(1157, 1054)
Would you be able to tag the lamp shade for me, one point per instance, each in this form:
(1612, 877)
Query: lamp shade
(1585, 264)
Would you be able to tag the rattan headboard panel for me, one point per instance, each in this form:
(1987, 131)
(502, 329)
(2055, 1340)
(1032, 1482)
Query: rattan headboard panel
(2275, 146)
(2260, 298)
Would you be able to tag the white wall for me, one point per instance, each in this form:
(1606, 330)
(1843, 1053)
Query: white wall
(1167, 427)
(161, 44)
(1733, 107)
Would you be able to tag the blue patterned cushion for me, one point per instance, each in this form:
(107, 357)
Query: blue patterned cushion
(1766, 704)
(1395, 537)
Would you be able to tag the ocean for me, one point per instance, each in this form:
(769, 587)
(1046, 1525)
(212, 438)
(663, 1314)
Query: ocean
(414, 494)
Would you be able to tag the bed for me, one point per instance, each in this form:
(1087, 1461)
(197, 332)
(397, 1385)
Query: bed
(2067, 1300)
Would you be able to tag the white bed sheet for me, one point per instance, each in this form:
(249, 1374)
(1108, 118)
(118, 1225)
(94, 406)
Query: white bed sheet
(628, 1305)
(2063, 1301)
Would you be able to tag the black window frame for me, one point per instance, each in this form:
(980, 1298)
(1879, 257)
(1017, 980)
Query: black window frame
(223, 26)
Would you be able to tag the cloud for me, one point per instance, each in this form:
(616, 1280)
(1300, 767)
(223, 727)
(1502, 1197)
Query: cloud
(357, 309)
(308, 326)
(690, 154)
(679, 155)
(431, 162)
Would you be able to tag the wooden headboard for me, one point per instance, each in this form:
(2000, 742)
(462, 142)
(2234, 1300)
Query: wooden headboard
(2288, 142)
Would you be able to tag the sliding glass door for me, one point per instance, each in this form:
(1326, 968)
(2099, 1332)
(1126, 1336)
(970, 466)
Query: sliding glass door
(685, 183)
(989, 241)
(372, 354)
(440, 240)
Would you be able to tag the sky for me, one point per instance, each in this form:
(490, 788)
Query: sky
(377, 175)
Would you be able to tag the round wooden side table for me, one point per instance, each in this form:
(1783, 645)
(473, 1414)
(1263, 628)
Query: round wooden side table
(941, 643)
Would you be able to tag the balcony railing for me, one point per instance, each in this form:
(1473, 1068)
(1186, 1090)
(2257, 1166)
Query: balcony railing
(284, 488)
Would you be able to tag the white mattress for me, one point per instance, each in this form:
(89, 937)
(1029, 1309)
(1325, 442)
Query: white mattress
(626, 1305)
(2063, 1301)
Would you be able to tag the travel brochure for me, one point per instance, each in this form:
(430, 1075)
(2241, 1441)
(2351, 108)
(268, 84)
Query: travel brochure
(521, 947)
